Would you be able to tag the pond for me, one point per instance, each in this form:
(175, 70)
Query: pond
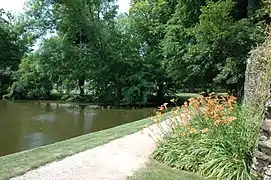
(27, 124)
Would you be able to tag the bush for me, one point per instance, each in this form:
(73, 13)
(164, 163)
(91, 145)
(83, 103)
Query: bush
(217, 142)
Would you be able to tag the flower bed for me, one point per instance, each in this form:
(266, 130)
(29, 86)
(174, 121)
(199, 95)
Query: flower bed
(211, 136)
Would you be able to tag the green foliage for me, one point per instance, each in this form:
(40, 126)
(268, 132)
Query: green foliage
(10, 52)
(214, 146)
(148, 21)
(177, 37)
(11, 49)
(33, 83)
(99, 48)
(222, 45)
(156, 49)
(210, 48)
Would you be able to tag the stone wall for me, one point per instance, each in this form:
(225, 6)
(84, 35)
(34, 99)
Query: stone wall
(262, 157)
(258, 72)
(257, 97)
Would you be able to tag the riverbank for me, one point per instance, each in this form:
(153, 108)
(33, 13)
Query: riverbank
(116, 160)
(19, 163)
(34, 124)
(83, 101)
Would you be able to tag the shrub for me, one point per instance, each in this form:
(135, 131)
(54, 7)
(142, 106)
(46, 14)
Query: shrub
(212, 137)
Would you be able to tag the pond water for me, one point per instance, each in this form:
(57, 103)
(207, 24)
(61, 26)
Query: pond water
(27, 124)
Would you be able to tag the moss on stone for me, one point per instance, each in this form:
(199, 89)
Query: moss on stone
(258, 76)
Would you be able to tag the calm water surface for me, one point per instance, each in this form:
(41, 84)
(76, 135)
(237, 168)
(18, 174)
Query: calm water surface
(26, 125)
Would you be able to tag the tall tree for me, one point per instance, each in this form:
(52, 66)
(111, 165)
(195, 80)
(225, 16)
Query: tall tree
(148, 21)
(209, 47)
(13, 45)
(178, 37)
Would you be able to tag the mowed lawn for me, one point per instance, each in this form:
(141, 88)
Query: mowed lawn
(156, 171)
(195, 95)
(187, 95)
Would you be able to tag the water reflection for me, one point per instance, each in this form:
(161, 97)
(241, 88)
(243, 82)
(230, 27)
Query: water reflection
(25, 125)
(35, 140)
(45, 117)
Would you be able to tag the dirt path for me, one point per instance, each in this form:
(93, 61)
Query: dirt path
(113, 161)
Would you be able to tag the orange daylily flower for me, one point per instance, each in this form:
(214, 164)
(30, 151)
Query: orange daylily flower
(192, 130)
(204, 131)
(230, 119)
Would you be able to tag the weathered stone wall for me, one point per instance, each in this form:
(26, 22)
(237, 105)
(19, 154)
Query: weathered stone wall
(262, 158)
(258, 74)
(257, 97)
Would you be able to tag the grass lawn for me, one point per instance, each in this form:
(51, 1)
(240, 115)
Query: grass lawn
(187, 95)
(195, 95)
(19, 163)
(157, 171)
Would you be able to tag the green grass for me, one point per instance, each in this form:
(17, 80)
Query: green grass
(19, 163)
(156, 171)
(187, 95)
(195, 95)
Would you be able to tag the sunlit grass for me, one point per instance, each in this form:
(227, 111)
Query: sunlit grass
(156, 171)
(187, 95)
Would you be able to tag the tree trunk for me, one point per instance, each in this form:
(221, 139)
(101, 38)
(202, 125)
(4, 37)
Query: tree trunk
(240, 90)
(161, 93)
(251, 6)
(81, 83)
(119, 89)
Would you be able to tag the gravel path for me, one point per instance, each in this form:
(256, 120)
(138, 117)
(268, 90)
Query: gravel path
(113, 161)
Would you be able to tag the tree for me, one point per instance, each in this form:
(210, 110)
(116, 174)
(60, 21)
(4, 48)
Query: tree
(208, 48)
(148, 21)
(222, 46)
(32, 81)
(12, 48)
(177, 38)
(159, 47)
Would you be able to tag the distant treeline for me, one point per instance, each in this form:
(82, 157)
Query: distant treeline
(148, 55)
